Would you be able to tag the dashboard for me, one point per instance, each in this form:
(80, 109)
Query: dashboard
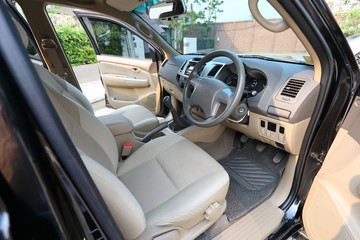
(255, 79)
(278, 101)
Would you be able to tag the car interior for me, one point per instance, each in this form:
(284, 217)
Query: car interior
(218, 165)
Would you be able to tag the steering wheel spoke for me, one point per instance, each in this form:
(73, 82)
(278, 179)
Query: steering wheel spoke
(214, 109)
(195, 81)
(224, 96)
(211, 118)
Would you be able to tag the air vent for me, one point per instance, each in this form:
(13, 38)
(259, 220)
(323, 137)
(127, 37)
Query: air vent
(214, 70)
(292, 88)
(182, 67)
(190, 67)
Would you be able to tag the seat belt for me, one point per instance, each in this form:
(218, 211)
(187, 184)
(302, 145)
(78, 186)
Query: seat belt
(48, 45)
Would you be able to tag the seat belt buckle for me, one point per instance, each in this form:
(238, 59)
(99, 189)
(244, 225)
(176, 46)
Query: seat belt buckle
(126, 149)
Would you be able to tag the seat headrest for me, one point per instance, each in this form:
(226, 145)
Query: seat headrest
(23, 35)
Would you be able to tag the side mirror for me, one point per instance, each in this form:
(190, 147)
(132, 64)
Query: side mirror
(166, 9)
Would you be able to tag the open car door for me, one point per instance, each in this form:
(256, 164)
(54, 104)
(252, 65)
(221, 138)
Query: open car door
(128, 64)
(332, 208)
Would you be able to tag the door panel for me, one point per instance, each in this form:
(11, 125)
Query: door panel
(127, 70)
(130, 81)
(332, 208)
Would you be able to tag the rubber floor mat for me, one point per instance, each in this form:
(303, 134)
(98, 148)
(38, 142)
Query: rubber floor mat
(253, 177)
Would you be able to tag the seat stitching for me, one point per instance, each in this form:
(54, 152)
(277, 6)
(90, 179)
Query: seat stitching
(196, 179)
(166, 174)
(181, 214)
(135, 166)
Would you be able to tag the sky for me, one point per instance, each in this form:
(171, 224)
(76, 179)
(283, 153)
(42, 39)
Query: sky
(238, 10)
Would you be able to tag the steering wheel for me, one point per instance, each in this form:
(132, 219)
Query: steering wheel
(210, 93)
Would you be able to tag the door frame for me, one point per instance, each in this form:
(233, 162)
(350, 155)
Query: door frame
(339, 82)
(157, 55)
(55, 161)
(81, 14)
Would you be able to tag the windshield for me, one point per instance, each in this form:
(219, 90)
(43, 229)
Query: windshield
(210, 25)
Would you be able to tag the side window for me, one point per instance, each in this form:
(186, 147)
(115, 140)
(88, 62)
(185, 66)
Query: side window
(113, 39)
(72, 36)
(32, 52)
(30, 49)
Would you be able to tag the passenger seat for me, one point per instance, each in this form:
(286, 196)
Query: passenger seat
(142, 119)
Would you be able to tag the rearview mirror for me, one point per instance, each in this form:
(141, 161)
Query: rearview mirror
(166, 9)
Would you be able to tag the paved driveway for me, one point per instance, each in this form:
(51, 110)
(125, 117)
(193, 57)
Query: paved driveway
(90, 83)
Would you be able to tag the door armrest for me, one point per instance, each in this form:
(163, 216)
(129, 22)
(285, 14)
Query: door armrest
(114, 80)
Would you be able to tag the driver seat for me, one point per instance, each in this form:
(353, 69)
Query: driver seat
(168, 189)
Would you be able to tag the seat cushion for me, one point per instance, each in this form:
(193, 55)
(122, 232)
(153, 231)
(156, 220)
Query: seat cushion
(142, 119)
(174, 181)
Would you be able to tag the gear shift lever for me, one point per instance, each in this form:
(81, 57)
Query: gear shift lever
(179, 123)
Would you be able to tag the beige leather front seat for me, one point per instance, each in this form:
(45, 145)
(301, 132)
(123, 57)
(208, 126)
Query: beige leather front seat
(141, 118)
(169, 187)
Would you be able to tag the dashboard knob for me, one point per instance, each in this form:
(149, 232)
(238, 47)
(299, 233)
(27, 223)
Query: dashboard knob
(253, 93)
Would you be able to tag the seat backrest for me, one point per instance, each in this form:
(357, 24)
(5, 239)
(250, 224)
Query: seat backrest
(56, 83)
(99, 152)
(96, 146)
(64, 88)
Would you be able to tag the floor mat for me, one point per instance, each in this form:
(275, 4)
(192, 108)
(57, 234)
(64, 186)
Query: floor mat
(203, 236)
(253, 177)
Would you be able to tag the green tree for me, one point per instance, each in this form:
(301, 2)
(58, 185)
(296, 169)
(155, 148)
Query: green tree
(350, 21)
(200, 21)
(108, 37)
(76, 45)
(348, 18)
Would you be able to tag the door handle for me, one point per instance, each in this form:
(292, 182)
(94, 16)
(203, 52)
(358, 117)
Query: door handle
(135, 69)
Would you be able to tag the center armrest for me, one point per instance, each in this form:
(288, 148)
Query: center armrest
(117, 125)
